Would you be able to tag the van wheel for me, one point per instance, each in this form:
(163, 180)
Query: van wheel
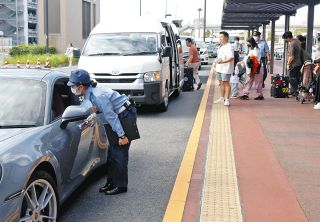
(40, 199)
(164, 106)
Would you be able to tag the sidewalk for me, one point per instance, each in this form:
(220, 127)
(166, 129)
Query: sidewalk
(256, 161)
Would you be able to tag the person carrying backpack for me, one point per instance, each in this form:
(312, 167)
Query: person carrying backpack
(254, 73)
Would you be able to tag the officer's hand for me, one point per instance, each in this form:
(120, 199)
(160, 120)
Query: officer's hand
(93, 109)
(123, 141)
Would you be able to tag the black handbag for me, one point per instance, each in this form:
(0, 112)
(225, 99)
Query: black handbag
(129, 125)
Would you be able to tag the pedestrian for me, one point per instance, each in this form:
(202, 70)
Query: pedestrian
(316, 55)
(181, 65)
(234, 80)
(294, 62)
(265, 54)
(193, 61)
(237, 47)
(224, 68)
(317, 76)
(305, 56)
(252, 75)
(69, 53)
(114, 107)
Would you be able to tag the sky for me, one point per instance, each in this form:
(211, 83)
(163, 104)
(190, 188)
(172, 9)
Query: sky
(186, 10)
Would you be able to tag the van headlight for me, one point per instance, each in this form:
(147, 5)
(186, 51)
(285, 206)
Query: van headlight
(92, 76)
(152, 76)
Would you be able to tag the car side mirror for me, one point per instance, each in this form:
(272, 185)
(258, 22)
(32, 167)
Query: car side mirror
(72, 114)
(167, 52)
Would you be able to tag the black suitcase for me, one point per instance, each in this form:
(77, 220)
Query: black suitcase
(279, 86)
(188, 79)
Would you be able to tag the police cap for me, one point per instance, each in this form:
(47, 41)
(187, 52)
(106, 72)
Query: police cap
(256, 33)
(79, 77)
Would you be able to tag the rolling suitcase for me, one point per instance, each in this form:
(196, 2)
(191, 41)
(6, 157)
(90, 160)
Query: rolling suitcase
(188, 79)
(279, 86)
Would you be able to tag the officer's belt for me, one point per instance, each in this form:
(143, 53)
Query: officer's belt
(124, 107)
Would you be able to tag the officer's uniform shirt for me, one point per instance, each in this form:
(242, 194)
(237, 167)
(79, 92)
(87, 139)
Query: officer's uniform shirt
(264, 48)
(109, 103)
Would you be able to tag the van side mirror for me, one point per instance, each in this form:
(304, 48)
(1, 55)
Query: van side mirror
(167, 52)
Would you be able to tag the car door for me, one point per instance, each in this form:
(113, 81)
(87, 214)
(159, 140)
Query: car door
(75, 146)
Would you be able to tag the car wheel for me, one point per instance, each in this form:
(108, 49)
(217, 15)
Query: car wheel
(40, 200)
(164, 105)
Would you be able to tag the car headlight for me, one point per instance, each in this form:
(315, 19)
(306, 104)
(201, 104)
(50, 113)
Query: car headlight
(152, 76)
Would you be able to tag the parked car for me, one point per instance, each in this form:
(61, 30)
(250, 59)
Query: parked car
(278, 53)
(203, 50)
(212, 50)
(136, 57)
(48, 144)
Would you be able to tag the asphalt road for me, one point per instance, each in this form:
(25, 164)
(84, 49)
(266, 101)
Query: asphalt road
(153, 165)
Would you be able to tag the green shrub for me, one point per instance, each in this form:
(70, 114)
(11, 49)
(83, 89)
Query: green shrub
(30, 49)
(55, 60)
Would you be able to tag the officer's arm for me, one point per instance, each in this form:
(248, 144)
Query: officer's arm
(106, 107)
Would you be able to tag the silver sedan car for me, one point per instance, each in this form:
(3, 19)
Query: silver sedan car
(48, 144)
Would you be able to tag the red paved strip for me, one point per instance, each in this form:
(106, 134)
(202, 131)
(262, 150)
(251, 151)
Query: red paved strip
(193, 204)
(265, 193)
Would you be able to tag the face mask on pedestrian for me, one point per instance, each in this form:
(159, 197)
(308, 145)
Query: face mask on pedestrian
(74, 91)
(256, 38)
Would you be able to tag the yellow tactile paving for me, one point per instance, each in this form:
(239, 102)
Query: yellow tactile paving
(175, 208)
(220, 198)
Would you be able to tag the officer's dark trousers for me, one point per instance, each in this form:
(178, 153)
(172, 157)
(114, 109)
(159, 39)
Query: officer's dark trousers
(118, 157)
(265, 73)
(317, 95)
(236, 58)
(294, 79)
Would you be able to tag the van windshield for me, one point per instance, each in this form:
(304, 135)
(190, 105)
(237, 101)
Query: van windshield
(121, 44)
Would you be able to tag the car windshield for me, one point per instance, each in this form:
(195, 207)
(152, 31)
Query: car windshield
(121, 44)
(22, 103)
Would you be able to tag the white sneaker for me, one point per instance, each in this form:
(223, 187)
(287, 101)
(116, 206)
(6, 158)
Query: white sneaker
(233, 97)
(317, 106)
(221, 100)
(226, 102)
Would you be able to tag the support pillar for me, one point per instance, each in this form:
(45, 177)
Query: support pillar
(310, 26)
(285, 48)
(273, 30)
(264, 32)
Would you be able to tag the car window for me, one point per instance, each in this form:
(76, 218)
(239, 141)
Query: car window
(62, 97)
(22, 102)
(121, 44)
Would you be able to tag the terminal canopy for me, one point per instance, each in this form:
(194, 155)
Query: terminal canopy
(251, 14)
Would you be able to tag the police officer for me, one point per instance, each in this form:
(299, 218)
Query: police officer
(265, 53)
(114, 107)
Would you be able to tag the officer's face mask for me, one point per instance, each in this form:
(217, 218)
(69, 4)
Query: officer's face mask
(74, 91)
(256, 38)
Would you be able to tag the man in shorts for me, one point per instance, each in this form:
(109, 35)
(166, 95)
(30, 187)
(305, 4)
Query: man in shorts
(224, 68)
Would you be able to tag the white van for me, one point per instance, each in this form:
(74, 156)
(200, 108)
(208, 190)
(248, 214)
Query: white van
(137, 57)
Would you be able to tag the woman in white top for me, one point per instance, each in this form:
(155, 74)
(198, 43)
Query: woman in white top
(181, 65)
(69, 53)
(252, 77)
